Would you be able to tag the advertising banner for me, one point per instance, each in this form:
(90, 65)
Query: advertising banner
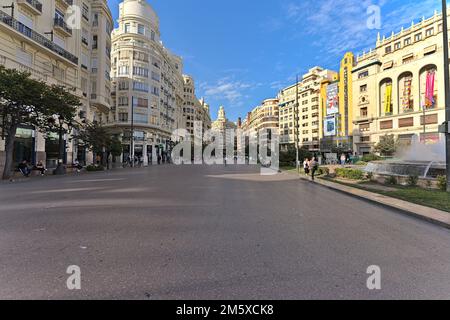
(329, 127)
(332, 99)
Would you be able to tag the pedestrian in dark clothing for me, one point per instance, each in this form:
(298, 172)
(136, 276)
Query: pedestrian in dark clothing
(24, 169)
(313, 166)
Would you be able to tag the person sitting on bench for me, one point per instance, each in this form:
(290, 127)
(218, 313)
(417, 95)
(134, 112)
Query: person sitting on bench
(24, 169)
(40, 167)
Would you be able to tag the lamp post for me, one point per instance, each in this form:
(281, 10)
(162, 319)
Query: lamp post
(296, 129)
(60, 169)
(447, 89)
(132, 135)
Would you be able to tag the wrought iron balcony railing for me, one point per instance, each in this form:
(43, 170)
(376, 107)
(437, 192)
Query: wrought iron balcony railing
(38, 38)
(59, 22)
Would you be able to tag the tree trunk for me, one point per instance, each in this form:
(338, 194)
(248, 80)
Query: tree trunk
(9, 151)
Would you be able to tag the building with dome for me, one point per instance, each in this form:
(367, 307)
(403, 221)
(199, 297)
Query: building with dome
(147, 84)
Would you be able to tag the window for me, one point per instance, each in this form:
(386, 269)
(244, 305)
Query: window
(418, 37)
(123, 71)
(123, 85)
(85, 11)
(94, 42)
(123, 101)
(407, 42)
(95, 20)
(59, 15)
(140, 102)
(429, 32)
(363, 112)
(153, 35)
(406, 122)
(397, 45)
(127, 28)
(123, 117)
(363, 88)
(84, 36)
(140, 86)
(94, 62)
(363, 74)
(140, 71)
(84, 61)
(140, 56)
(141, 29)
(388, 49)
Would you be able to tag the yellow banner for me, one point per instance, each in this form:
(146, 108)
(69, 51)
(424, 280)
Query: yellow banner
(388, 99)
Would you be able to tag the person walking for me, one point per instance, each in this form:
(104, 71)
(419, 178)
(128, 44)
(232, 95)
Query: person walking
(313, 166)
(343, 159)
(306, 166)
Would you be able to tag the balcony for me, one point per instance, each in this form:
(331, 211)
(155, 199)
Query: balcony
(36, 37)
(33, 5)
(66, 3)
(61, 26)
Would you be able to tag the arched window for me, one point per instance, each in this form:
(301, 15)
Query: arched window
(428, 87)
(386, 105)
(405, 92)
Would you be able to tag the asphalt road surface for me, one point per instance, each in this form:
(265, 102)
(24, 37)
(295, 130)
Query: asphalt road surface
(201, 232)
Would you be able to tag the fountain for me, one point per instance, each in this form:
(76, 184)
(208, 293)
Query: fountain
(419, 159)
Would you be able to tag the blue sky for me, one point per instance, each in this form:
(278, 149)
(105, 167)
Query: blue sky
(241, 52)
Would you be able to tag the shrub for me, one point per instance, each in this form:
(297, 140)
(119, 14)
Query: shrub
(361, 163)
(323, 171)
(392, 180)
(429, 184)
(412, 181)
(442, 183)
(352, 174)
(369, 176)
(370, 157)
(93, 168)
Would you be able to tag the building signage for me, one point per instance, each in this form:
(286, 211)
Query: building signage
(329, 127)
(332, 99)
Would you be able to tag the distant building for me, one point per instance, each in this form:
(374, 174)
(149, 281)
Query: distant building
(308, 116)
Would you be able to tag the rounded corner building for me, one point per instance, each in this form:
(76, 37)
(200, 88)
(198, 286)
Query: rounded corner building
(147, 84)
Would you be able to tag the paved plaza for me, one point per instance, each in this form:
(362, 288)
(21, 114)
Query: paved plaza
(210, 232)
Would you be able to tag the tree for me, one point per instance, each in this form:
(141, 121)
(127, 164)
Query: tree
(21, 103)
(62, 106)
(387, 145)
(100, 140)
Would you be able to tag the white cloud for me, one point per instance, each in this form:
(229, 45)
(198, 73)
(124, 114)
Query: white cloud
(338, 26)
(228, 91)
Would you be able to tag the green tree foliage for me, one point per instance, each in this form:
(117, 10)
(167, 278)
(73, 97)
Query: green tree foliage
(21, 103)
(100, 140)
(387, 145)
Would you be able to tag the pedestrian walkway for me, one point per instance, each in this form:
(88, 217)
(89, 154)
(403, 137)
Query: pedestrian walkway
(430, 214)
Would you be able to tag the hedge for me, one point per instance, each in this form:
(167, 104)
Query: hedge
(352, 174)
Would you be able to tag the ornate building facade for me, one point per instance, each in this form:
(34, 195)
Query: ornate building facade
(59, 42)
(147, 84)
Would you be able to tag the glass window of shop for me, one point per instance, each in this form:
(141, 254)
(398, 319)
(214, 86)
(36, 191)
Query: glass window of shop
(24, 146)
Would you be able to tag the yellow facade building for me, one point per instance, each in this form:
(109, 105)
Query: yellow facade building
(398, 87)
(336, 108)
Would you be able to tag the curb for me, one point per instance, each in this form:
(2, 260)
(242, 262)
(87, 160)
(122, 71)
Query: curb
(435, 216)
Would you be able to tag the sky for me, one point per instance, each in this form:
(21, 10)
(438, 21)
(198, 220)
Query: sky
(242, 52)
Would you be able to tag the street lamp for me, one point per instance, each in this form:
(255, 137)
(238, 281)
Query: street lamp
(297, 127)
(446, 89)
(60, 169)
